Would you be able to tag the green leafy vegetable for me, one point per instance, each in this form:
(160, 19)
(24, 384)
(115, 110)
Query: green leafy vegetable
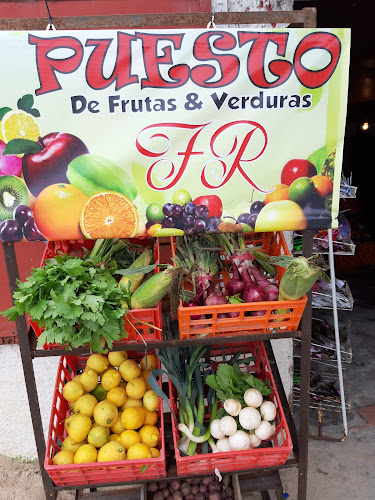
(230, 383)
(76, 300)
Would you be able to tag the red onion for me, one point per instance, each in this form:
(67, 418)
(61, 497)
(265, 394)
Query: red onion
(235, 287)
(255, 294)
(215, 300)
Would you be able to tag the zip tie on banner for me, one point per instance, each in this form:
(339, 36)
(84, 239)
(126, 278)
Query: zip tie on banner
(50, 25)
(211, 24)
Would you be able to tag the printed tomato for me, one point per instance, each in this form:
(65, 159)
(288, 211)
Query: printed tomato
(213, 203)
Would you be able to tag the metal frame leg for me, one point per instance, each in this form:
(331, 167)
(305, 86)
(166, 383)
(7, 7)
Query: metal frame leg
(28, 370)
(305, 382)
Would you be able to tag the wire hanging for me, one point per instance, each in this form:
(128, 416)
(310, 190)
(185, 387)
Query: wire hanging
(50, 25)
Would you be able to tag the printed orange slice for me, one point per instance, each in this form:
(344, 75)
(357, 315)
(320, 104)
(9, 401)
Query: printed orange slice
(109, 215)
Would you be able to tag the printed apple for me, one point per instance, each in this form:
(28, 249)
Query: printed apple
(213, 203)
(296, 168)
(49, 165)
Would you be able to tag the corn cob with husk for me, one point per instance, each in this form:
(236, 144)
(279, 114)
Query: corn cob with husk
(299, 277)
(149, 293)
(135, 280)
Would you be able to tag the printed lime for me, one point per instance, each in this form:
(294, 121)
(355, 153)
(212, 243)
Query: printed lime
(181, 197)
(302, 190)
(154, 212)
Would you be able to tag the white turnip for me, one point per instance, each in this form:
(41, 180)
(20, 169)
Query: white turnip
(268, 411)
(232, 407)
(249, 418)
(239, 441)
(254, 441)
(215, 429)
(253, 398)
(228, 425)
(223, 445)
(264, 431)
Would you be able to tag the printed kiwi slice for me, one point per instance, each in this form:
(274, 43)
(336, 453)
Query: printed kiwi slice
(13, 192)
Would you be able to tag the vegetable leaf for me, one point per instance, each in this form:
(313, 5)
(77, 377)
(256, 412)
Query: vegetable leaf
(318, 158)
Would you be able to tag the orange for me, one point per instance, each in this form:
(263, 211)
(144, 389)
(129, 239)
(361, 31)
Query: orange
(281, 192)
(57, 211)
(323, 185)
(109, 215)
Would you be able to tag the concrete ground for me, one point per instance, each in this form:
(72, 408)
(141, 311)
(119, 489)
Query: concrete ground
(337, 470)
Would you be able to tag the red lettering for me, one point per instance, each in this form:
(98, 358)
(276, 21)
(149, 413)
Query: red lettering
(47, 66)
(187, 154)
(179, 74)
(324, 41)
(255, 62)
(121, 72)
(229, 64)
(236, 165)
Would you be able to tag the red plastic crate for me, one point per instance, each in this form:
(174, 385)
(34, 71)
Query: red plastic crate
(136, 319)
(94, 472)
(273, 244)
(271, 453)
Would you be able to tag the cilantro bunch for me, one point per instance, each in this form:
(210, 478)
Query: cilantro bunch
(76, 300)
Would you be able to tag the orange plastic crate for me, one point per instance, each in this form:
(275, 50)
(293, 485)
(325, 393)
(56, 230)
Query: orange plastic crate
(94, 472)
(271, 453)
(136, 319)
(211, 326)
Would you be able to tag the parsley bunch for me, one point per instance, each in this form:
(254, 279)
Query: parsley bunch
(76, 300)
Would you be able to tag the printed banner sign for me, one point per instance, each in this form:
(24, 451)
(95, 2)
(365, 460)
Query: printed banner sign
(128, 133)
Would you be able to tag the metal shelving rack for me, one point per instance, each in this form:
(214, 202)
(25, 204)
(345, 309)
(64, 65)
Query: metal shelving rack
(261, 479)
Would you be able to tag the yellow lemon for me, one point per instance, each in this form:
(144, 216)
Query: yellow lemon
(117, 396)
(114, 437)
(139, 451)
(85, 405)
(79, 427)
(129, 369)
(97, 362)
(99, 393)
(145, 374)
(132, 418)
(132, 403)
(111, 452)
(17, 124)
(98, 436)
(116, 358)
(86, 454)
(110, 379)
(150, 360)
(68, 446)
(155, 453)
(149, 435)
(63, 457)
(151, 417)
(117, 427)
(151, 400)
(105, 413)
(76, 378)
(129, 437)
(67, 422)
(89, 379)
(73, 390)
(136, 388)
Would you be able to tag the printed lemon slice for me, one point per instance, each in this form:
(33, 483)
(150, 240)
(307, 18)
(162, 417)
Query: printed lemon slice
(18, 124)
(109, 215)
